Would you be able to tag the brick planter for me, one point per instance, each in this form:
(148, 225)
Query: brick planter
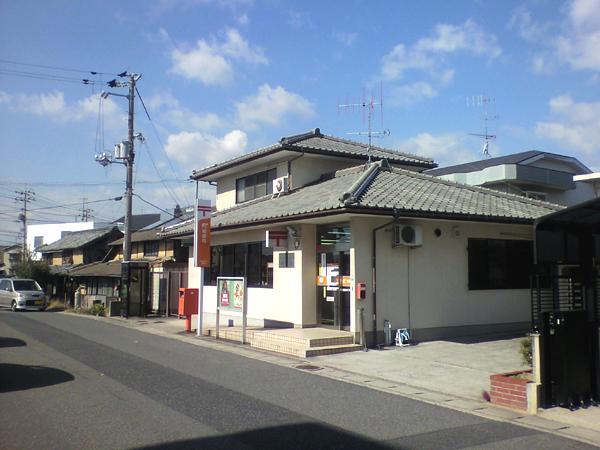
(512, 391)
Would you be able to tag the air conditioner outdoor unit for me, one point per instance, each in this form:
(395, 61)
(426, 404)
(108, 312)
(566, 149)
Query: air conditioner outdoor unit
(280, 185)
(408, 235)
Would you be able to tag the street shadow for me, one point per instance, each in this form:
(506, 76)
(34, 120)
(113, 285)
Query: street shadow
(300, 436)
(11, 342)
(18, 377)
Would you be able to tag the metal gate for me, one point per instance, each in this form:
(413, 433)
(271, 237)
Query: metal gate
(564, 312)
(566, 304)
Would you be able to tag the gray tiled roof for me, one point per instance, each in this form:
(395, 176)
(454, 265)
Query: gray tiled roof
(318, 143)
(407, 192)
(514, 158)
(76, 239)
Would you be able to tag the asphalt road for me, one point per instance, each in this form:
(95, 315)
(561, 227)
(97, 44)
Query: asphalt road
(71, 382)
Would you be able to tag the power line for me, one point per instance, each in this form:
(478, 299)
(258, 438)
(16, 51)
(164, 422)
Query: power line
(79, 184)
(48, 77)
(158, 207)
(65, 69)
(162, 146)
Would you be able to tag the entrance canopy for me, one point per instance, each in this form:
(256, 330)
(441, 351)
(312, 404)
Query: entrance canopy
(582, 215)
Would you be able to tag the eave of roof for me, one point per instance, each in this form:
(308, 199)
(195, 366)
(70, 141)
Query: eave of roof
(379, 189)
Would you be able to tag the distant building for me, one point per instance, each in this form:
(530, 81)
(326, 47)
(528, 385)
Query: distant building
(48, 233)
(541, 175)
(10, 255)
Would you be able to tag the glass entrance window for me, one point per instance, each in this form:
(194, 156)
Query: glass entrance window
(333, 276)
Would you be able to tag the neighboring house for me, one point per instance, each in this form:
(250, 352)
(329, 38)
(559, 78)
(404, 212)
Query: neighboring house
(535, 174)
(160, 265)
(437, 257)
(10, 256)
(76, 249)
(47, 233)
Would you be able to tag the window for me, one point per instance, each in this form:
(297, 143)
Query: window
(67, 257)
(151, 248)
(499, 264)
(38, 241)
(254, 186)
(232, 260)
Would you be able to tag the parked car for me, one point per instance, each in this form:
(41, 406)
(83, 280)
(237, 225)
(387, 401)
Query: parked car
(22, 294)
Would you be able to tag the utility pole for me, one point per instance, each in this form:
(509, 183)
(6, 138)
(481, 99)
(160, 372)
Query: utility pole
(86, 213)
(24, 196)
(125, 152)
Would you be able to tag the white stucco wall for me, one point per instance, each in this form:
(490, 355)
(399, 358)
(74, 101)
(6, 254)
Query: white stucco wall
(433, 278)
(284, 302)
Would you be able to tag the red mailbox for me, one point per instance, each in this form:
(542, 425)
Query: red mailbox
(188, 305)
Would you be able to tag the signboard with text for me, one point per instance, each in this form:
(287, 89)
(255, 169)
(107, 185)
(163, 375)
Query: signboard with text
(202, 234)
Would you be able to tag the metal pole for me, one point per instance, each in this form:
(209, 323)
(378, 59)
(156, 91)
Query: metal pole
(129, 187)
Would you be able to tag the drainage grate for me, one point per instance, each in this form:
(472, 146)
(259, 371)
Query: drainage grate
(308, 367)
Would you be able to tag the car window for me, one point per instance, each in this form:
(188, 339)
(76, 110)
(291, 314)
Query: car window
(26, 285)
(3, 285)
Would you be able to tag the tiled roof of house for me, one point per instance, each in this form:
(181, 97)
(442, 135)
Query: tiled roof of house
(77, 239)
(317, 143)
(377, 188)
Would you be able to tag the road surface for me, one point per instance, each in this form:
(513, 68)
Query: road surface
(69, 382)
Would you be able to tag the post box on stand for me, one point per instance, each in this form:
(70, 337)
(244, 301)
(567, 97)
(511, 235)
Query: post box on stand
(188, 305)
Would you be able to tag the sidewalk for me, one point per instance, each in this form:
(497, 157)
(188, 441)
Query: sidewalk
(444, 373)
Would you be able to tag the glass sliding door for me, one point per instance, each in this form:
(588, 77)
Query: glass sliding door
(333, 277)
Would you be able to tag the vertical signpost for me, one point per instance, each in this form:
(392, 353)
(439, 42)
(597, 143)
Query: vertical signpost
(232, 296)
(201, 251)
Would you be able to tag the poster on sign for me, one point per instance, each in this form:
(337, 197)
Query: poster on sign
(232, 296)
(202, 234)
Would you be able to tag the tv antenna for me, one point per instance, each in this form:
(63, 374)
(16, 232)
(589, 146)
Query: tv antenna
(369, 106)
(483, 101)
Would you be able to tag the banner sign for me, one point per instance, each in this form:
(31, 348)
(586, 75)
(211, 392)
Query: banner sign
(202, 234)
(230, 293)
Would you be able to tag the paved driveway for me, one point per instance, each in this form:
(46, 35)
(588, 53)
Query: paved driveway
(458, 368)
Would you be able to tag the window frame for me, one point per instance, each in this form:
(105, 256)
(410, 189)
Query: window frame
(237, 259)
(499, 264)
(255, 185)
(150, 252)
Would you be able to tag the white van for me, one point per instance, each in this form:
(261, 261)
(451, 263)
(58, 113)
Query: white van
(22, 294)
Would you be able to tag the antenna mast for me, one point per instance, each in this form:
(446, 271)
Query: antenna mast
(482, 100)
(369, 106)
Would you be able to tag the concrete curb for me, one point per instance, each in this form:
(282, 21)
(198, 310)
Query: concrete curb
(478, 408)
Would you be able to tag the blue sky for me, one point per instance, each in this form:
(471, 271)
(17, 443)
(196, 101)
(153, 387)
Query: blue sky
(222, 77)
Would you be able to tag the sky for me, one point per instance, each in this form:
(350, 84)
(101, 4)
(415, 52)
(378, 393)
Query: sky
(224, 77)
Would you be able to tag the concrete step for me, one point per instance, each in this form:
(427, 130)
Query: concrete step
(301, 347)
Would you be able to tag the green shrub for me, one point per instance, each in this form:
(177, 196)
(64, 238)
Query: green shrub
(526, 352)
(97, 310)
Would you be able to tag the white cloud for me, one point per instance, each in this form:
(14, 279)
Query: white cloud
(243, 19)
(574, 41)
(52, 105)
(181, 117)
(347, 39)
(237, 47)
(577, 125)
(446, 149)
(270, 105)
(428, 53)
(408, 94)
(198, 149)
(298, 20)
(211, 62)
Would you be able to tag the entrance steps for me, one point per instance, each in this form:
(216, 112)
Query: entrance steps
(299, 342)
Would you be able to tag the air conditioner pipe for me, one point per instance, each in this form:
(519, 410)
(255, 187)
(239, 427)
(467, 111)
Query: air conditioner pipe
(374, 273)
